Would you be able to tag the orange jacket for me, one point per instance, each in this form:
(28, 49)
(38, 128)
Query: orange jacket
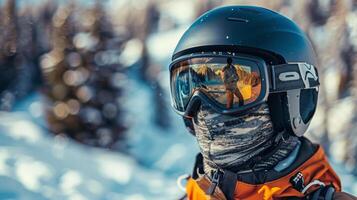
(315, 168)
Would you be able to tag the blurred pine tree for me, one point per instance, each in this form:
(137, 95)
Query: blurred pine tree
(84, 77)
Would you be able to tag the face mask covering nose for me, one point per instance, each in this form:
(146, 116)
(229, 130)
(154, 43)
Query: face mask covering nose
(226, 141)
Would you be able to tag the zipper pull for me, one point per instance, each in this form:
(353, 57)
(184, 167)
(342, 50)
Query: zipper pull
(215, 181)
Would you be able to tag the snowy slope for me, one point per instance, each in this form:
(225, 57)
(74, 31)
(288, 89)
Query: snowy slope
(34, 165)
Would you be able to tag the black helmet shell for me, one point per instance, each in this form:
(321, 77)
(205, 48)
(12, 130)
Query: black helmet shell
(264, 33)
(242, 27)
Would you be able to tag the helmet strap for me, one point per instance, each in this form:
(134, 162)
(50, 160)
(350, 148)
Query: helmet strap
(189, 125)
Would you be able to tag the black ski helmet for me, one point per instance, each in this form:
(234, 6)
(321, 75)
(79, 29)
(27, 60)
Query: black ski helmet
(266, 34)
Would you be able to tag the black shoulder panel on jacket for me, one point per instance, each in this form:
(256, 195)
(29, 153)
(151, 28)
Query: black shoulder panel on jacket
(307, 150)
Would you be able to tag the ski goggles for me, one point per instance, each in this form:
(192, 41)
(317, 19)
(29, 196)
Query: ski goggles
(232, 83)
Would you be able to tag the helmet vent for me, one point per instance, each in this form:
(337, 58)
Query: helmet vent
(237, 19)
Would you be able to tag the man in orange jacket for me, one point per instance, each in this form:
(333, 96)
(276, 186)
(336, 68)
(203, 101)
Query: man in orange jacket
(254, 148)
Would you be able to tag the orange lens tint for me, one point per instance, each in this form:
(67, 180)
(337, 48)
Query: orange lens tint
(231, 83)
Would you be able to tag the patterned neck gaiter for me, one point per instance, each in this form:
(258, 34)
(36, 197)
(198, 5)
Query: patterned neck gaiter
(227, 141)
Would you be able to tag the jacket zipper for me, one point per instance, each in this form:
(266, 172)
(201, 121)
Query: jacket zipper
(215, 181)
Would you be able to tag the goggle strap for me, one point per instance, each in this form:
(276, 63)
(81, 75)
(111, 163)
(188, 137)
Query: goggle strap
(293, 76)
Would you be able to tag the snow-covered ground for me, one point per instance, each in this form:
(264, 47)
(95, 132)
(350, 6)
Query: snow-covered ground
(35, 165)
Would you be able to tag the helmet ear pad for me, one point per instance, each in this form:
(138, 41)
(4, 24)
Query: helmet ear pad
(293, 110)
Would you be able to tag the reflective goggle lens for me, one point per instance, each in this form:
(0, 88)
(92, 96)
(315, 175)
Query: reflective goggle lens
(230, 82)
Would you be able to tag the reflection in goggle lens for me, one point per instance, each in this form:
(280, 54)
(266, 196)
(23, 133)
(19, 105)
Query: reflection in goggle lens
(229, 82)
